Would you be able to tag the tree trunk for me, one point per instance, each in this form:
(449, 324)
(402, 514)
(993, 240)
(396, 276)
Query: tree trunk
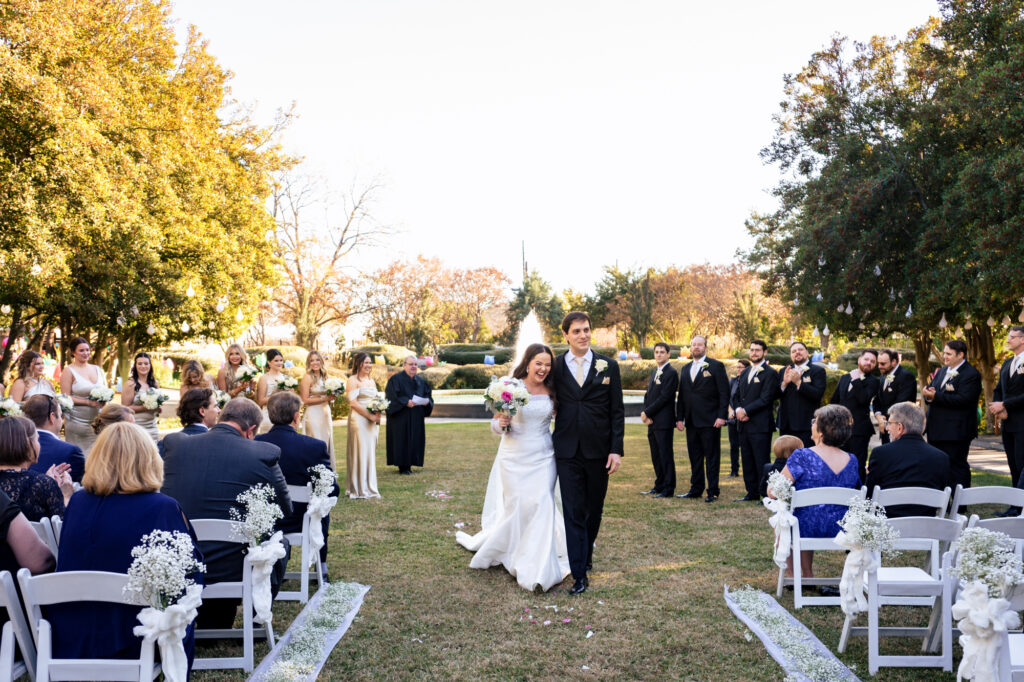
(124, 360)
(12, 334)
(981, 352)
(922, 351)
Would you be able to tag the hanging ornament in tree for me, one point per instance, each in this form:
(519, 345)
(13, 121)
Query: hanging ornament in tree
(1006, 320)
(239, 317)
(185, 327)
(825, 331)
(968, 325)
(220, 306)
(860, 326)
(190, 292)
(212, 325)
(121, 321)
(959, 334)
(5, 309)
(991, 321)
(878, 271)
(821, 259)
(135, 311)
(840, 308)
(892, 294)
(815, 333)
(942, 322)
(910, 311)
(849, 308)
(796, 300)
(151, 329)
(818, 296)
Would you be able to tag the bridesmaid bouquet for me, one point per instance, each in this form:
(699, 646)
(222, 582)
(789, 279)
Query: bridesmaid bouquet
(246, 373)
(378, 404)
(9, 408)
(506, 395)
(152, 399)
(101, 394)
(287, 382)
(223, 398)
(334, 386)
(66, 402)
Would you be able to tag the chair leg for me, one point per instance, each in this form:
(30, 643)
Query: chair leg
(43, 651)
(304, 574)
(781, 582)
(873, 607)
(270, 635)
(844, 638)
(798, 583)
(319, 572)
(931, 639)
(247, 628)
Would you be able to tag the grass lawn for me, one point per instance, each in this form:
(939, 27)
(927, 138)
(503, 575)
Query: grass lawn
(655, 602)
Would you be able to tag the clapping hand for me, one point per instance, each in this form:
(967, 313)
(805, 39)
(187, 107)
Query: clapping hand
(928, 392)
(61, 473)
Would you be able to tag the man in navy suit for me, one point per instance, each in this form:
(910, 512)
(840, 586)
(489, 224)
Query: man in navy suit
(753, 404)
(658, 414)
(298, 454)
(198, 411)
(801, 388)
(703, 409)
(907, 461)
(953, 418)
(45, 413)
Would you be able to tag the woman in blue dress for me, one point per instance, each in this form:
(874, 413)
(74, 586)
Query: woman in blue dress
(824, 465)
(120, 502)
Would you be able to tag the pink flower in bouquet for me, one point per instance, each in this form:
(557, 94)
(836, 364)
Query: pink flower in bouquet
(506, 397)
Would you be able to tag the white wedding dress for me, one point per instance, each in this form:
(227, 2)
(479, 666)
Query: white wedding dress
(521, 525)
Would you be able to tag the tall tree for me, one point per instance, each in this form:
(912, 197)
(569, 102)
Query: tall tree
(534, 294)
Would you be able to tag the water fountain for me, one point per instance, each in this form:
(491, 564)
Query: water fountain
(529, 333)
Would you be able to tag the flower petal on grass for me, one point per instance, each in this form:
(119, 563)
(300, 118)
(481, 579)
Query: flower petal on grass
(590, 634)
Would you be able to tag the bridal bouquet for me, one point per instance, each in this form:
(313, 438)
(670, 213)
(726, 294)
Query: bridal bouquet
(261, 513)
(865, 532)
(152, 399)
(159, 578)
(66, 402)
(9, 408)
(246, 373)
(989, 569)
(334, 386)
(101, 394)
(506, 395)
(378, 404)
(287, 382)
(782, 520)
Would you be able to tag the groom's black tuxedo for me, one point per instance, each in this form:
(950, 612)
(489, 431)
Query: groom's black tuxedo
(589, 426)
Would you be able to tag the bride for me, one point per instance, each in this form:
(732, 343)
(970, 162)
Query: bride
(522, 527)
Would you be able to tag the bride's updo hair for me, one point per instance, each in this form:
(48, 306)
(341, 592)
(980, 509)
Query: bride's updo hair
(523, 368)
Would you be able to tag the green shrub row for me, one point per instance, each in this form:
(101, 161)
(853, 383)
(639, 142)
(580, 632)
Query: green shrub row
(393, 355)
(476, 357)
(295, 354)
(463, 347)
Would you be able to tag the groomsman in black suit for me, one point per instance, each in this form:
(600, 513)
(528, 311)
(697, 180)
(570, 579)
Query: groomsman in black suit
(953, 418)
(896, 385)
(855, 392)
(658, 414)
(703, 409)
(800, 391)
(1008, 403)
(753, 405)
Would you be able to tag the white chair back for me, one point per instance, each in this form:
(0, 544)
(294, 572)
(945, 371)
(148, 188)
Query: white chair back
(44, 530)
(79, 586)
(828, 495)
(301, 494)
(986, 494)
(20, 632)
(925, 497)
(56, 523)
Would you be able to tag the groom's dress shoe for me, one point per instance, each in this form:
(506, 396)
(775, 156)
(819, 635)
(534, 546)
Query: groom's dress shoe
(711, 498)
(579, 586)
(664, 495)
(689, 496)
(649, 492)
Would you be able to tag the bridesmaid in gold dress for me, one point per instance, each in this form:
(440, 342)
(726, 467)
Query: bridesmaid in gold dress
(226, 378)
(77, 380)
(363, 427)
(268, 385)
(317, 423)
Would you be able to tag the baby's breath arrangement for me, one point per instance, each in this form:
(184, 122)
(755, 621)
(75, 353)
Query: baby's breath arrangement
(780, 486)
(161, 564)
(989, 557)
(323, 480)
(866, 526)
(256, 523)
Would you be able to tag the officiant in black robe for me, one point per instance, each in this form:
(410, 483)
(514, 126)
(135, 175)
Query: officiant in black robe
(406, 433)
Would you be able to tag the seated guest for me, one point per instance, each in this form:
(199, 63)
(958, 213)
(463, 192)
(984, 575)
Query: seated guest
(21, 546)
(112, 413)
(198, 412)
(206, 473)
(825, 464)
(36, 494)
(782, 448)
(906, 461)
(46, 413)
(298, 454)
(119, 503)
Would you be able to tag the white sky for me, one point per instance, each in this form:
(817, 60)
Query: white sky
(598, 132)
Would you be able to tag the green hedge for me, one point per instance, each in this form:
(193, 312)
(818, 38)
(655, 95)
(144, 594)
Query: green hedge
(648, 353)
(473, 376)
(610, 351)
(296, 354)
(393, 355)
(463, 347)
(476, 357)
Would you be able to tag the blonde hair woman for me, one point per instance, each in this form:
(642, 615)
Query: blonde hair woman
(193, 375)
(120, 502)
(317, 421)
(227, 379)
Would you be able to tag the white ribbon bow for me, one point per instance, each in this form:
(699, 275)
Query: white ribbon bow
(982, 621)
(782, 521)
(262, 560)
(168, 628)
(318, 508)
(859, 561)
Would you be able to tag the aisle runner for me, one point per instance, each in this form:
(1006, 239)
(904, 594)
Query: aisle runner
(302, 651)
(790, 643)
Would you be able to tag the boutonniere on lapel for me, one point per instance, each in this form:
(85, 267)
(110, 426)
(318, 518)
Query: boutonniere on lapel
(950, 375)
(888, 381)
(600, 366)
(657, 376)
(1020, 370)
(758, 370)
(704, 370)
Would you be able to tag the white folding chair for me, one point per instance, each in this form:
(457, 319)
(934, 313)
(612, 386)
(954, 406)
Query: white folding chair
(923, 497)
(79, 586)
(56, 523)
(302, 493)
(807, 498)
(986, 494)
(16, 631)
(219, 530)
(1011, 655)
(910, 585)
(44, 530)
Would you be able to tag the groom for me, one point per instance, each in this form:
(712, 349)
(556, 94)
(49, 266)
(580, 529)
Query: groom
(589, 428)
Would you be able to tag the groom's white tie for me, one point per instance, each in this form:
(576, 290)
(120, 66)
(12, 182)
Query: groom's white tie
(579, 371)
